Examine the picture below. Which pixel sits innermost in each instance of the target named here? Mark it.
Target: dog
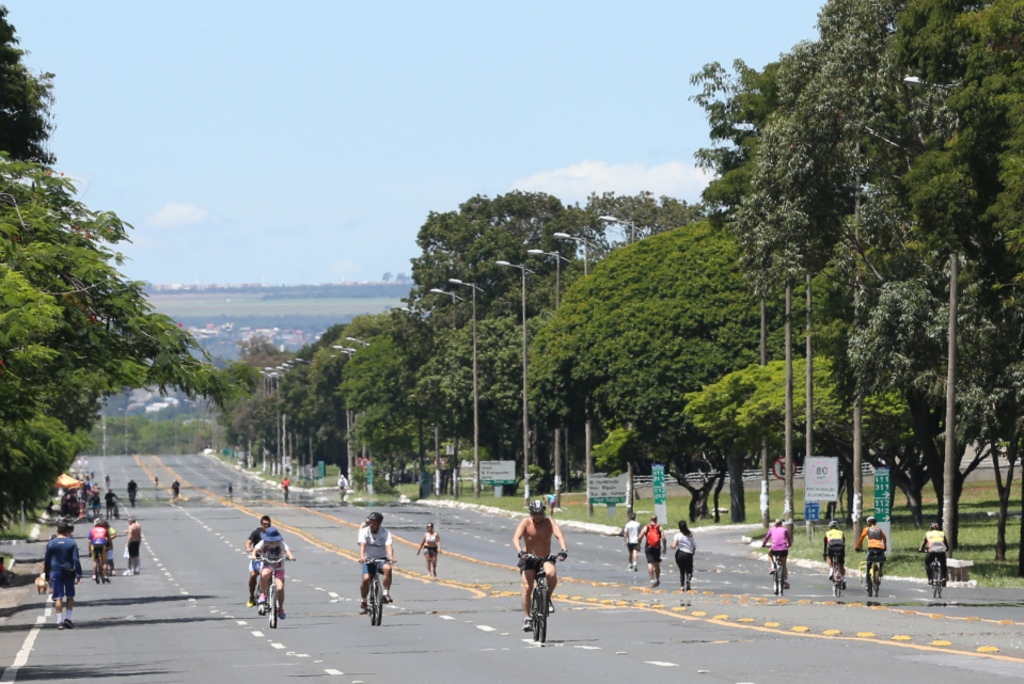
(41, 583)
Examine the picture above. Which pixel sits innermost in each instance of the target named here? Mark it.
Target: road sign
(883, 501)
(362, 462)
(607, 490)
(497, 472)
(660, 509)
(821, 478)
(779, 468)
(812, 511)
(321, 469)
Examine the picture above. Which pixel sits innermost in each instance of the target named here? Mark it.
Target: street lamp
(476, 397)
(455, 298)
(612, 219)
(352, 339)
(586, 243)
(349, 413)
(526, 413)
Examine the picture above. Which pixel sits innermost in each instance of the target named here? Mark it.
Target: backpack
(653, 535)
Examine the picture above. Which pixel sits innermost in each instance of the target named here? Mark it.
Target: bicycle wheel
(540, 614)
(272, 603)
(378, 601)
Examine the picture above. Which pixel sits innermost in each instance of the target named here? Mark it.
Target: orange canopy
(67, 482)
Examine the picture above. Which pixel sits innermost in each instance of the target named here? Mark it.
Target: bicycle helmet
(871, 520)
(375, 517)
(935, 526)
(537, 506)
(833, 525)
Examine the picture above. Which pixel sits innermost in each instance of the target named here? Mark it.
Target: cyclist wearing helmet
(936, 545)
(533, 536)
(835, 551)
(877, 543)
(374, 544)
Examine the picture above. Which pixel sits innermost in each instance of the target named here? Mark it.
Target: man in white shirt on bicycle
(375, 543)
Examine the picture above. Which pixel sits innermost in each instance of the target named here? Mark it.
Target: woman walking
(430, 546)
(685, 547)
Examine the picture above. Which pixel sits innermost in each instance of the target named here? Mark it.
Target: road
(184, 618)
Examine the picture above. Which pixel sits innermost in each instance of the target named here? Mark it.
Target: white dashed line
(446, 617)
(332, 671)
(257, 634)
(589, 648)
(661, 663)
(333, 594)
(241, 622)
(277, 646)
(486, 628)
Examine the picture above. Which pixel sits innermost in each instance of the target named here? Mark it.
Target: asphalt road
(184, 618)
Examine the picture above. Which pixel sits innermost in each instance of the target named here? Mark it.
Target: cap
(271, 535)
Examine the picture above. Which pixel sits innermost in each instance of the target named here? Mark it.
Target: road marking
(257, 634)
(661, 663)
(332, 671)
(277, 646)
(589, 648)
(446, 617)
(333, 594)
(241, 622)
(486, 628)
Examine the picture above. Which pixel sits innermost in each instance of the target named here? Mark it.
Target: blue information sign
(812, 510)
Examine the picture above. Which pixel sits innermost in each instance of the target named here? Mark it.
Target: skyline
(310, 146)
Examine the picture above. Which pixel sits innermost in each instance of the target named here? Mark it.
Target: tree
(25, 99)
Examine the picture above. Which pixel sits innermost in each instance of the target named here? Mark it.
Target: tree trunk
(719, 483)
(738, 505)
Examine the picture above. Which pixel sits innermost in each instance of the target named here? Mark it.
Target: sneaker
(262, 598)
(786, 584)
(251, 602)
(387, 598)
(651, 583)
(551, 608)
(280, 615)
(68, 624)
(527, 625)
(60, 625)
(363, 610)
(844, 585)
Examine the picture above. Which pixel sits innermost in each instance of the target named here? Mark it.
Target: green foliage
(25, 123)
(613, 455)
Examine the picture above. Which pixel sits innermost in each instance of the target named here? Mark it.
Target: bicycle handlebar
(273, 561)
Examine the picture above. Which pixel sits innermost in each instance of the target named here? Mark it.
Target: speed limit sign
(821, 478)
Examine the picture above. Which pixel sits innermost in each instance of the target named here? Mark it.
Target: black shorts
(632, 547)
(779, 554)
(133, 549)
(653, 554)
(837, 556)
(534, 564)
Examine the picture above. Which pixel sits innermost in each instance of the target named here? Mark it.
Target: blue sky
(306, 142)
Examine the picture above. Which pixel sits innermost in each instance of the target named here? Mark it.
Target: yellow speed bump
(771, 624)
(709, 593)
(622, 603)
(988, 649)
(831, 632)
(721, 617)
(591, 600)
(1006, 622)
(942, 642)
(865, 634)
(800, 628)
(658, 605)
(699, 613)
(679, 609)
(745, 620)
(805, 601)
(878, 608)
(901, 637)
(577, 598)
(607, 601)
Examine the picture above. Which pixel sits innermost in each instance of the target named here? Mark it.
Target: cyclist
(533, 536)
(685, 547)
(254, 566)
(834, 551)
(631, 537)
(133, 491)
(94, 504)
(176, 488)
(272, 546)
(781, 540)
(656, 545)
(936, 545)
(98, 538)
(110, 498)
(375, 543)
(877, 544)
(430, 546)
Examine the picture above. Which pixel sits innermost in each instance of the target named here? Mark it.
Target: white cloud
(175, 214)
(576, 182)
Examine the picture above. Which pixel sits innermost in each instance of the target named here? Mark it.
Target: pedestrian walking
(64, 570)
(231, 491)
(685, 547)
(134, 542)
(655, 546)
(342, 486)
(176, 488)
(430, 546)
(631, 538)
(285, 485)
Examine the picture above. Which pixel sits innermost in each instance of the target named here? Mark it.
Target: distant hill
(395, 290)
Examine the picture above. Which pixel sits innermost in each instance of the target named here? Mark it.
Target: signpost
(497, 474)
(779, 469)
(883, 501)
(812, 511)
(821, 478)
(369, 478)
(608, 490)
(660, 506)
(321, 471)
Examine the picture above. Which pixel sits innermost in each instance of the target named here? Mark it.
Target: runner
(533, 536)
(254, 566)
(685, 547)
(631, 538)
(176, 488)
(430, 546)
(285, 484)
(656, 545)
(63, 568)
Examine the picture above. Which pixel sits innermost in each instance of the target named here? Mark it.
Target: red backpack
(653, 535)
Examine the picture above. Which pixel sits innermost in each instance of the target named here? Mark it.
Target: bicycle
(780, 581)
(540, 602)
(935, 577)
(873, 573)
(838, 579)
(273, 602)
(375, 597)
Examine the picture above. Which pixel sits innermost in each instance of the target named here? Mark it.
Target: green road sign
(660, 507)
(321, 469)
(883, 496)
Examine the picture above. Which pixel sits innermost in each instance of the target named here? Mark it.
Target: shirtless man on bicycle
(533, 536)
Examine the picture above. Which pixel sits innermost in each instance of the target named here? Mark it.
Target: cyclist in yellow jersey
(936, 545)
(835, 551)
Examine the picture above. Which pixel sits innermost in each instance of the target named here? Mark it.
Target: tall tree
(25, 100)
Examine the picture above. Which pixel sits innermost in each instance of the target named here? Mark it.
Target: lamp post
(352, 339)
(612, 219)
(588, 433)
(455, 298)
(350, 418)
(949, 469)
(526, 414)
(476, 396)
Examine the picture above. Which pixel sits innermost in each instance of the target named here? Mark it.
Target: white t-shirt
(342, 482)
(375, 543)
(270, 549)
(632, 532)
(684, 543)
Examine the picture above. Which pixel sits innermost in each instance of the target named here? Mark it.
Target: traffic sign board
(821, 478)
(607, 490)
(497, 472)
(812, 510)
